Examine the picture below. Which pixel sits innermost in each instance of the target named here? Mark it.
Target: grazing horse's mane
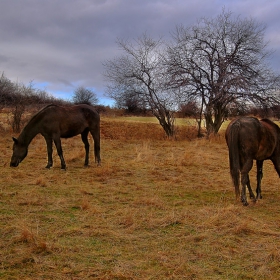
(35, 116)
(44, 108)
(41, 110)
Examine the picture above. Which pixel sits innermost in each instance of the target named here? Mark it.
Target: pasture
(155, 209)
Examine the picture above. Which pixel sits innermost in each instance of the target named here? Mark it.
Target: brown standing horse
(251, 139)
(55, 122)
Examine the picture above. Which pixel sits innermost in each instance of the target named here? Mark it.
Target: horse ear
(15, 140)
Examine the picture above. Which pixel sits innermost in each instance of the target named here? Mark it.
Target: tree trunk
(199, 121)
(166, 120)
(214, 119)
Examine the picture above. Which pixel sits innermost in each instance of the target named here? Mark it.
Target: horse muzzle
(14, 163)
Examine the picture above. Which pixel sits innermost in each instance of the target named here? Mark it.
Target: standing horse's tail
(234, 160)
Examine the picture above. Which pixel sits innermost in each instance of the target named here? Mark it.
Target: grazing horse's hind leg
(86, 143)
(49, 151)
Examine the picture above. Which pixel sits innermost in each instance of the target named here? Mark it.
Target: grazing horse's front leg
(57, 143)
(259, 178)
(85, 141)
(49, 151)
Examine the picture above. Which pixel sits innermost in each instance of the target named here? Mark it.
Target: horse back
(67, 121)
(255, 138)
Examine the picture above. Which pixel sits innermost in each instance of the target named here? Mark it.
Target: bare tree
(220, 62)
(23, 97)
(131, 102)
(140, 72)
(85, 95)
(7, 91)
(18, 98)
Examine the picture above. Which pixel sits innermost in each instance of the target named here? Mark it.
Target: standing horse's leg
(57, 143)
(245, 181)
(259, 178)
(252, 196)
(85, 141)
(49, 151)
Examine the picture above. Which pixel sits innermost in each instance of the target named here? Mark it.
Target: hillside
(155, 209)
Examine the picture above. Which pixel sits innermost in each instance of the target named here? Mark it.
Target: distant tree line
(13, 93)
(212, 70)
(191, 110)
(18, 99)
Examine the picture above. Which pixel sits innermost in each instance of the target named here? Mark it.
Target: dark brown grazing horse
(251, 139)
(55, 122)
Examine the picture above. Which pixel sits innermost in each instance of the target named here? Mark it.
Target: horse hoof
(244, 202)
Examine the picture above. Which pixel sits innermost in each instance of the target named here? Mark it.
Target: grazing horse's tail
(234, 160)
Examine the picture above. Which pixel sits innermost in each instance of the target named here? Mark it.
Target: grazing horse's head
(19, 153)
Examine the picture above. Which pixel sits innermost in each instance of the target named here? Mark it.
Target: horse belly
(71, 131)
(264, 151)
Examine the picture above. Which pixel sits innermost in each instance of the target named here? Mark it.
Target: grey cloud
(64, 43)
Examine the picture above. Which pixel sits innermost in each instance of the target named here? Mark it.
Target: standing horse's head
(19, 153)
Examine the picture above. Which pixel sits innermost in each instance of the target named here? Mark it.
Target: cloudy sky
(61, 44)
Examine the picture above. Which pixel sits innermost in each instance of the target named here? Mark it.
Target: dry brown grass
(155, 209)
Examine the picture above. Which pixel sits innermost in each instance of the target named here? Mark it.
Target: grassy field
(155, 209)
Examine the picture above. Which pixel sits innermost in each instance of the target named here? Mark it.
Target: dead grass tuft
(187, 132)
(127, 221)
(28, 236)
(41, 182)
(85, 204)
(217, 138)
(273, 256)
(243, 229)
(154, 202)
(144, 152)
(84, 192)
(104, 172)
(188, 160)
(25, 235)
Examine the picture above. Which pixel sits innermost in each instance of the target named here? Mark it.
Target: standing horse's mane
(267, 120)
(270, 122)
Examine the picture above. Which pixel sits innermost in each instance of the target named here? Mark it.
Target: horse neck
(28, 133)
